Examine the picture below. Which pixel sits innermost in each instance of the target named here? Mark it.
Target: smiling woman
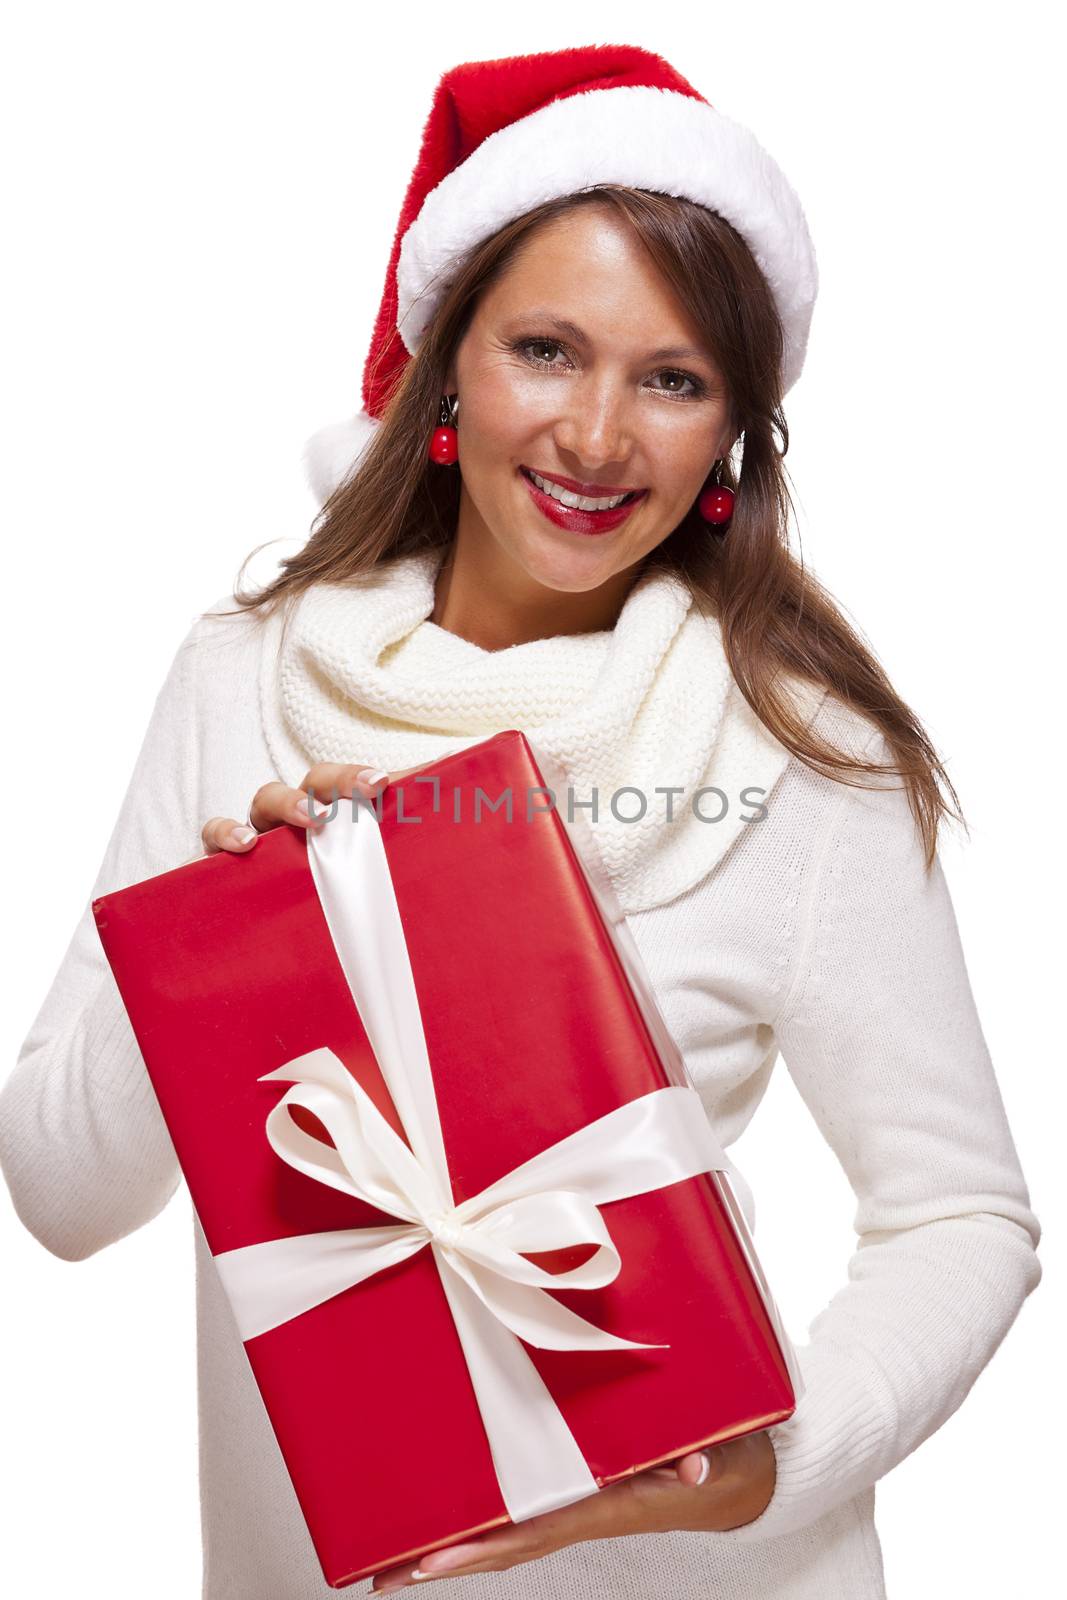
(563, 509)
(548, 339)
(556, 334)
(598, 405)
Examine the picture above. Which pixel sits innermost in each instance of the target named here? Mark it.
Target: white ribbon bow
(549, 1202)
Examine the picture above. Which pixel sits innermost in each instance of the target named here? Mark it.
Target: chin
(572, 571)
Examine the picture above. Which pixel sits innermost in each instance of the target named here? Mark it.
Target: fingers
(226, 833)
(593, 1517)
(620, 1508)
(695, 1469)
(276, 803)
(688, 1469)
(328, 779)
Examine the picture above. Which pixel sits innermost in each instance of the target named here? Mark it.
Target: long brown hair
(777, 620)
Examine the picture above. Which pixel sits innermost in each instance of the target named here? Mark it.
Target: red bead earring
(717, 501)
(444, 445)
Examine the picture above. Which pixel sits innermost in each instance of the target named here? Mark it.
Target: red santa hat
(504, 136)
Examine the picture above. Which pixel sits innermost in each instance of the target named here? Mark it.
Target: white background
(199, 204)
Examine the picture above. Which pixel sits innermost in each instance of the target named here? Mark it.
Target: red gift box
(527, 1026)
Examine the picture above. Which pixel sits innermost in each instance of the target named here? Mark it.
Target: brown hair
(777, 620)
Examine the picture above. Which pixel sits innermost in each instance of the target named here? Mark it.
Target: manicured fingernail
(243, 835)
(303, 807)
(458, 1555)
(371, 778)
(705, 1466)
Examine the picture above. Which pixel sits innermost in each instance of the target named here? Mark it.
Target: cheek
(679, 450)
(504, 407)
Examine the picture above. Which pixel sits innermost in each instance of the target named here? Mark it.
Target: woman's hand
(276, 803)
(738, 1485)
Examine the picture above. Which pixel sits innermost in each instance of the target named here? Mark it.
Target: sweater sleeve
(84, 1149)
(880, 1033)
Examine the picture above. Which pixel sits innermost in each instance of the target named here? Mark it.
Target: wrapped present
(463, 1197)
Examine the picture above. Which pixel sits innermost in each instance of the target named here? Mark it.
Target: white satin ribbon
(550, 1201)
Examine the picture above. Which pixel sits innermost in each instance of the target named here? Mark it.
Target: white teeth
(579, 501)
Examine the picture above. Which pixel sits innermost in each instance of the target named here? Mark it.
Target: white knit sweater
(817, 935)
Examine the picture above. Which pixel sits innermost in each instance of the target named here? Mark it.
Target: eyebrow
(547, 319)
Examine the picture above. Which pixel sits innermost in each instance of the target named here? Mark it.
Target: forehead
(589, 267)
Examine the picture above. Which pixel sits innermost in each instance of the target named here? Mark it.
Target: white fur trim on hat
(332, 452)
(646, 138)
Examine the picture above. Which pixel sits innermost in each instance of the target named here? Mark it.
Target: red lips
(593, 491)
(575, 520)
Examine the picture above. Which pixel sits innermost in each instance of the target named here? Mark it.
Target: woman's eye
(536, 346)
(695, 386)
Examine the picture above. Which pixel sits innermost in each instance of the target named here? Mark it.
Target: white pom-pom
(332, 452)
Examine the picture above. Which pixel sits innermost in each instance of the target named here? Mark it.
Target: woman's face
(581, 366)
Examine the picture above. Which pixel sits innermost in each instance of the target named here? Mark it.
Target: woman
(599, 288)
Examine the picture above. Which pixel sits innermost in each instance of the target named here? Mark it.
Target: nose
(595, 426)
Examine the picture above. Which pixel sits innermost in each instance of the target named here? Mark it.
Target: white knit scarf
(364, 676)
